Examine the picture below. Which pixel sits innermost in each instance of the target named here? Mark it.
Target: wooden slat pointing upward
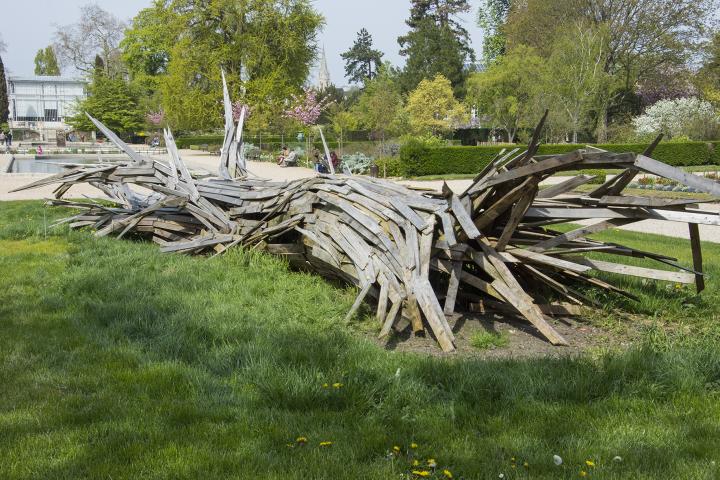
(697, 256)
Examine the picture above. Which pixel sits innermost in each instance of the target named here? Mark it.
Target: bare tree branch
(98, 32)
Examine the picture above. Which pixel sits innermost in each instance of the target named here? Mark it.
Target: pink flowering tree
(237, 107)
(306, 109)
(155, 118)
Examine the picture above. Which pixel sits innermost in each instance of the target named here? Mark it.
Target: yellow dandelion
(415, 463)
(583, 473)
(301, 440)
(421, 473)
(432, 463)
(337, 385)
(512, 459)
(525, 464)
(413, 445)
(447, 474)
(325, 385)
(325, 444)
(396, 449)
(589, 463)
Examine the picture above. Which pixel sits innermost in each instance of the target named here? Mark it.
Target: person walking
(2, 138)
(8, 139)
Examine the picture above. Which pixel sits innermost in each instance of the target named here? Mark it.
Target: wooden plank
(383, 298)
(516, 215)
(453, 286)
(578, 233)
(487, 217)
(543, 167)
(534, 257)
(688, 179)
(513, 293)
(434, 314)
(565, 186)
(697, 256)
(655, 202)
(634, 271)
(390, 319)
(701, 218)
(358, 301)
(618, 184)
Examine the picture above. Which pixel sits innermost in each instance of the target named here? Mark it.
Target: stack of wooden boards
(421, 255)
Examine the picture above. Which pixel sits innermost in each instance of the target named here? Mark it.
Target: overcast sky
(28, 25)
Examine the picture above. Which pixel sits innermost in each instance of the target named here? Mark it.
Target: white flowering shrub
(683, 117)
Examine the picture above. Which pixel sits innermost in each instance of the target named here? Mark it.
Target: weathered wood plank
(697, 256)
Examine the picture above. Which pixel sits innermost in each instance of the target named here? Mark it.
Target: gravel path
(201, 161)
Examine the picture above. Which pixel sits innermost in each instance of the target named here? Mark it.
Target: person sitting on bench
(290, 160)
(283, 155)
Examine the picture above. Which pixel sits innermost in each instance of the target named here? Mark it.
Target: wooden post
(697, 256)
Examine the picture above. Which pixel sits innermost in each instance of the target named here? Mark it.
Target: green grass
(485, 340)
(119, 362)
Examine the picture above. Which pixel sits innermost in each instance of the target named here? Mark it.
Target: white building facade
(42, 103)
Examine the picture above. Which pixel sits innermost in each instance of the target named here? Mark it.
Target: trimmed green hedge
(417, 160)
(186, 142)
(389, 166)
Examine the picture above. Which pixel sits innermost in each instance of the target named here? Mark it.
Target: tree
(362, 61)
(432, 108)
(576, 75)
(443, 13)
(46, 62)
(176, 48)
(492, 15)
(708, 78)
(683, 117)
(380, 107)
(645, 38)
(341, 120)
(113, 102)
(4, 102)
(436, 43)
(506, 92)
(97, 33)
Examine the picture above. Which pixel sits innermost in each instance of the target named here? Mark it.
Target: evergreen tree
(46, 62)
(4, 112)
(436, 44)
(362, 61)
(444, 14)
(99, 65)
(433, 50)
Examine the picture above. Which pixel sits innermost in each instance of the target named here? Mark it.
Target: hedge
(186, 142)
(418, 160)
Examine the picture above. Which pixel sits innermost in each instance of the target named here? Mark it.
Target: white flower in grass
(557, 459)
(502, 475)
(617, 458)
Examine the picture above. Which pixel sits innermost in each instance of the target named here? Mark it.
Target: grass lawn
(119, 362)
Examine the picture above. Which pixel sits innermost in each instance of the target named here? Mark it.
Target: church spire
(323, 73)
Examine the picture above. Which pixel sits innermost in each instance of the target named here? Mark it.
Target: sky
(29, 25)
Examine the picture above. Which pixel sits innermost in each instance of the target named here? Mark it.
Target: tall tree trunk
(602, 125)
